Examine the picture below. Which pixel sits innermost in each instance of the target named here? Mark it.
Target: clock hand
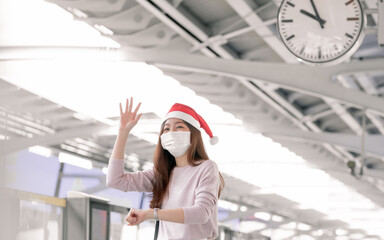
(311, 16)
(317, 14)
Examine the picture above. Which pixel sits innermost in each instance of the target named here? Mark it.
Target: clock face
(321, 31)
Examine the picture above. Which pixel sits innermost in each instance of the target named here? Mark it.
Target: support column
(380, 24)
(2, 171)
(59, 178)
(9, 207)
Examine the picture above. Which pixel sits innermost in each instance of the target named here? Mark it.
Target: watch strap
(155, 214)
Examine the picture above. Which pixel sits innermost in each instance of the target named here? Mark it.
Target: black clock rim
(327, 61)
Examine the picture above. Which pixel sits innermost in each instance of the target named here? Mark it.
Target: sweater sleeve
(140, 181)
(206, 196)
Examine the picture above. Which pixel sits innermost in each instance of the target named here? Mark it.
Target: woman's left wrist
(149, 214)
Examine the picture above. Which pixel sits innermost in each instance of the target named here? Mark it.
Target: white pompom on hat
(189, 115)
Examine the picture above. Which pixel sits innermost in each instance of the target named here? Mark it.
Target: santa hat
(189, 115)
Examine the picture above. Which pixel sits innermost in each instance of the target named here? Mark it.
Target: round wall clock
(321, 31)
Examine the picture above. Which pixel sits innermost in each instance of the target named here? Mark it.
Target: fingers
(131, 221)
(138, 118)
(133, 217)
(121, 109)
(137, 109)
(130, 105)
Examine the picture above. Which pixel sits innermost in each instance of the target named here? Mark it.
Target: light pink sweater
(195, 189)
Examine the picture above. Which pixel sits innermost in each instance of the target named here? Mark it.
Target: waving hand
(129, 119)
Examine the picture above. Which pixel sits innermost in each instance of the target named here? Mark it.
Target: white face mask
(177, 143)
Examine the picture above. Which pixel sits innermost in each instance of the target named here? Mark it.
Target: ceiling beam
(373, 144)
(243, 9)
(17, 144)
(162, 17)
(312, 80)
(317, 79)
(368, 85)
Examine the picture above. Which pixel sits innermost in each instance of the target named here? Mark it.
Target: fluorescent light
(148, 166)
(81, 117)
(133, 165)
(303, 227)
(149, 137)
(243, 208)
(133, 157)
(262, 215)
(228, 205)
(341, 232)
(290, 225)
(103, 29)
(3, 137)
(42, 151)
(104, 170)
(318, 233)
(356, 236)
(278, 233)
(74, 160)
(277, 218)
(342, 238)
(77, 12)
(249, 226)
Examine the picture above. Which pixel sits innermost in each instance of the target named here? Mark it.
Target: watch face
(321, 31)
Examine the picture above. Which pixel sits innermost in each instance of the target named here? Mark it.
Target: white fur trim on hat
(183, 116)
(214, 140)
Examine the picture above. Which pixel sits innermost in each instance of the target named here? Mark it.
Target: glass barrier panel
(119, 230)
(39, 221)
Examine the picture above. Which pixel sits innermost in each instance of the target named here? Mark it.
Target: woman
(184, 182)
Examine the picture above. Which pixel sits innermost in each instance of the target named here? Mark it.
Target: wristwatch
(155, 216)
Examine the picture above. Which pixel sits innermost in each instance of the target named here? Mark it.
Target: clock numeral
(291, 4)
(335, 47)
(302, 49)
(353, 19)
(349, 2)
(287, 20)
(348, 35)
(319, 53)
(290, 37)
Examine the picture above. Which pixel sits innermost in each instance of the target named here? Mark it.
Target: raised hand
(128, 119)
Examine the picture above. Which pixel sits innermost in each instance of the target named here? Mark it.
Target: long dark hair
(164, 163)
